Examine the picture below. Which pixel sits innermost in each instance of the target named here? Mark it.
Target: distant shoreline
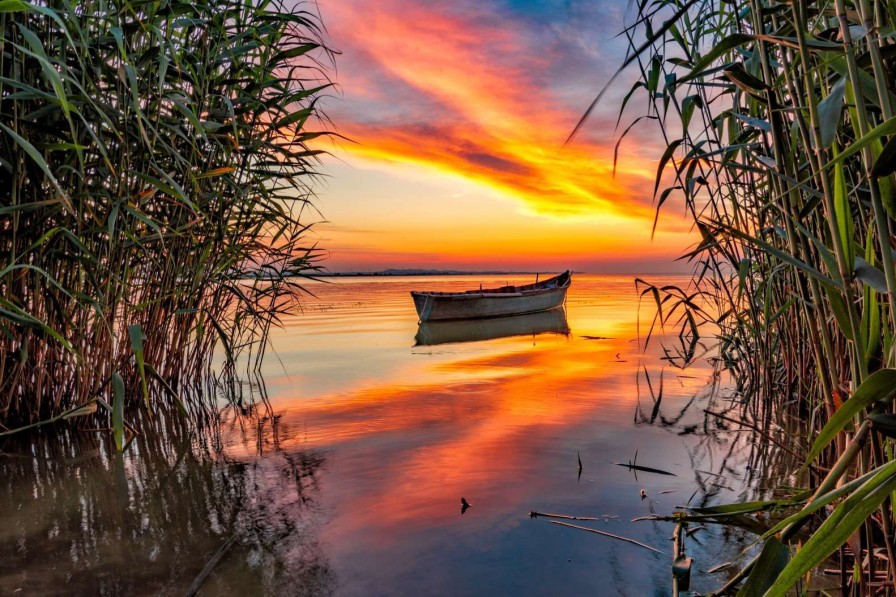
(422, 272)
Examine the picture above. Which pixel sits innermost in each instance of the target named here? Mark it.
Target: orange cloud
(453, 90)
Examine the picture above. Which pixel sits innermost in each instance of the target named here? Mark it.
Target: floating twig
(210, 566)
(644, 469)
(720, 567)
(634, 466)
(658, 517)
(534, 514)
(612, 536)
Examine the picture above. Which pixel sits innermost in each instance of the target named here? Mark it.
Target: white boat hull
(439, 306)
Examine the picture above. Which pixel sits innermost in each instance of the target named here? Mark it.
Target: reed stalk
(155, 163)
(788, 176)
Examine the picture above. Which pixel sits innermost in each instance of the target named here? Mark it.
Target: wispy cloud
(488, 91)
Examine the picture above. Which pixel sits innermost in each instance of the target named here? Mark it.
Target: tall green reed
(154, 178)
(781, 144)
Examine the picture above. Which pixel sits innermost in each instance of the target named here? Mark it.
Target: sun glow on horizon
(457, 115)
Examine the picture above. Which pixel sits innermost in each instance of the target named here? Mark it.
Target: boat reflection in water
(475, 330)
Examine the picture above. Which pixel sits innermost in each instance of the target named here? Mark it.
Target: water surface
(350, 481)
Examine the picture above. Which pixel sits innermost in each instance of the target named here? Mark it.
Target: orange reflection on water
(351, 483)
(481, 420)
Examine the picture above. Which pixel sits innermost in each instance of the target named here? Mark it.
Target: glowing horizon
(457, 115)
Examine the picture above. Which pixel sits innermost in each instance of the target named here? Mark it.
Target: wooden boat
(431, 333)
(493, 302)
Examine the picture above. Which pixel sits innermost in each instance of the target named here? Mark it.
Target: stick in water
(534, 514)
(612, 536)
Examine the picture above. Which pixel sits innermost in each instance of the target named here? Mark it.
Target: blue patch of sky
(600, 18)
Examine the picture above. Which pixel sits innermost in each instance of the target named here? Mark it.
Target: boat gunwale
(522, 290)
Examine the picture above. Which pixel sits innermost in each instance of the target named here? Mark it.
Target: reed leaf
(793, 197)
(885, 129)
(870, 275)
(885, 164)
(829, 110)
(880, 386)
(842, 523)
(772, 561)
(118, 394)
(149, 211)
(135, 332)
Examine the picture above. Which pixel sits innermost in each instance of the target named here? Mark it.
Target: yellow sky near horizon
(457, 114)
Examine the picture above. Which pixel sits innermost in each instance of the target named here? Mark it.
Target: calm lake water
(349, 481)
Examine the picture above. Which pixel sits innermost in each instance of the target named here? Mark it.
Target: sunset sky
(457, 113)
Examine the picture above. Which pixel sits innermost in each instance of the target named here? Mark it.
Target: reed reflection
(181, 511)
(477, 330)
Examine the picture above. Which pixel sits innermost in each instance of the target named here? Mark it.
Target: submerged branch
(612, 536)
(534, 514)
